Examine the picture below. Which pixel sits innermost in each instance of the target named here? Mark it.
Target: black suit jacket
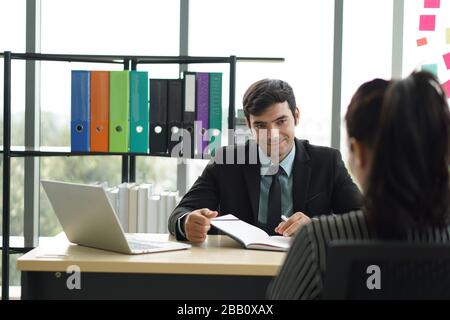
(321, 184)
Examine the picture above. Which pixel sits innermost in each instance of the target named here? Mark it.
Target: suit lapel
(253, 181)
(302, 174)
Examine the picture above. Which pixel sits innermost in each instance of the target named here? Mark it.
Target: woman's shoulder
(348, 226)
(315, 235)
(354, 226)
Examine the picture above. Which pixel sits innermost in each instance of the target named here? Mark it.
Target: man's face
(275, 129)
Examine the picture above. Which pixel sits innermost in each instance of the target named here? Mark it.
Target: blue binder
(80, 104)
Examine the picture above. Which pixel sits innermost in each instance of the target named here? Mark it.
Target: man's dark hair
(408, 184)
(266, 92)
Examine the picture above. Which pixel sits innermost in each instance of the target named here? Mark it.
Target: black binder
(175, 113)
(158, 116)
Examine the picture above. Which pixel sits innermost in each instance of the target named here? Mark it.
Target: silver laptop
(87, 217)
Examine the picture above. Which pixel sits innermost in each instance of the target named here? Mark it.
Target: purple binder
(202, 110)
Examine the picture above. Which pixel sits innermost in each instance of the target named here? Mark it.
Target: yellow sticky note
(447, 33)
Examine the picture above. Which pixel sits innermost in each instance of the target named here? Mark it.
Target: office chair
(386, 270)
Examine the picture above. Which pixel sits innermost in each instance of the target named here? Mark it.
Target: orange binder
(99, 111)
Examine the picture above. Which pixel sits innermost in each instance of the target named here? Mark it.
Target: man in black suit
(273, 176)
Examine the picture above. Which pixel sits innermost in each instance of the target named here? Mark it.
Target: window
(14, 276)
(12, 19)
(12, 38)
(135, 27)
(299, 31)
(74, 169)
(367, 49)
(428, 55)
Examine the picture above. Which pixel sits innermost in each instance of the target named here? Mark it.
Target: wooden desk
(217, 269)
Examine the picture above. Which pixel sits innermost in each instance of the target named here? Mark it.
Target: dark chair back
(387, 270)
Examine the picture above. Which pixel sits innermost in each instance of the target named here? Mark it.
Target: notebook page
(239, 229)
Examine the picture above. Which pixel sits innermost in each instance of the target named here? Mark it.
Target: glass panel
(300, 31)
(14, 276)
(426, 48)
(135, 27)
(100, 27)
(196, 168)
(16, 196)
(159, 171)
(151, 29)
(74, 169)
(367, 49)
(12, 38)
(12, 24)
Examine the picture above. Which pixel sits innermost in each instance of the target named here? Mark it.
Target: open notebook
(250, 236)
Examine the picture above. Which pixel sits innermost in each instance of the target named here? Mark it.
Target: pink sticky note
(427, 22)
(446, 86)
(432, 4)
(447, 60)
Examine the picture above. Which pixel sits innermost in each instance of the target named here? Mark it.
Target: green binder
(119, 94)
(139, 111)
(215, 111)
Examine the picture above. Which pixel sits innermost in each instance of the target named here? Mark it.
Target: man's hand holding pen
(289, 226)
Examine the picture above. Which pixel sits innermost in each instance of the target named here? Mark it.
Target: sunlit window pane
(367, 49)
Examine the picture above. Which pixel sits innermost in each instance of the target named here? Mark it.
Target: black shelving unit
(128, 159)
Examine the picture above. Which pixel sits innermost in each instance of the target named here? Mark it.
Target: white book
(168, 204)
(133, 209)
(113, 196)
(171, 203)
(123, 204)
(152, 214)
(150, 189)
(144, 194)
(162, 214)
(250, 236)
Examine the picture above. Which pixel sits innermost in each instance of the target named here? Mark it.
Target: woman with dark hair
(399, 152)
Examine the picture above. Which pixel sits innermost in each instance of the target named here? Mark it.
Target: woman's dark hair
(363, 112)
(264, 93)
(408, 184)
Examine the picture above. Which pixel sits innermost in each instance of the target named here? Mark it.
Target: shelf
(20, 151)
(137, 59)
